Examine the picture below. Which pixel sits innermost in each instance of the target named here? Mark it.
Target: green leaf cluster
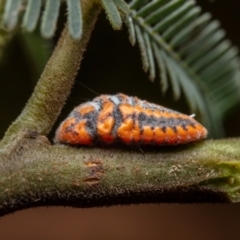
(32, 8)
(184, 47)
(190, 52)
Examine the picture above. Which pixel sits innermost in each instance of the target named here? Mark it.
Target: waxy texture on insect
(112, 119)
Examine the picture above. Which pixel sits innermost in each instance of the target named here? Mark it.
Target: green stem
(86, 177)
(57, 79)
(34, 173)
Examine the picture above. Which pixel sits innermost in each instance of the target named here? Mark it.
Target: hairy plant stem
(56, 81)
(35, 173)
(46, 175)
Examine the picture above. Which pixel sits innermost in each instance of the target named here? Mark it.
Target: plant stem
(85, 177)
(54, 86)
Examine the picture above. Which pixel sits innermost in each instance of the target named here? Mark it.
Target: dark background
(112, 65)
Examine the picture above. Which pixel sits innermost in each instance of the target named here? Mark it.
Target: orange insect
(111, 119)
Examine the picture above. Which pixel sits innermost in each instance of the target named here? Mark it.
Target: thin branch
(46, 175)
(34, 173)
(56, 81)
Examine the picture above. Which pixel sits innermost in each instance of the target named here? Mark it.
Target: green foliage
(11, 12)
(190, 52)
(50, 17)
(13, 8)
(31, 15)
(113, 9)
(75, 18)
(178, 43)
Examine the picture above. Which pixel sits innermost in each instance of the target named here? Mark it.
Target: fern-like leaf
(31, 15)
(114, 9)
(50, 16)
(75, 18)
(11, 13)
(183, 46)
(13, 8)
(190, 52)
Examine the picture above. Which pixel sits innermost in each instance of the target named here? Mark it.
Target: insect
(112, 119)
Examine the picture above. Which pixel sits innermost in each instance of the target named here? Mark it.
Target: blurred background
(111, 65)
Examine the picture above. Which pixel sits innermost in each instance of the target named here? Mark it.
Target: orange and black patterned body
(111, 119)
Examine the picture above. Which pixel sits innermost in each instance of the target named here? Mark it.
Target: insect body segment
(111, 119)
